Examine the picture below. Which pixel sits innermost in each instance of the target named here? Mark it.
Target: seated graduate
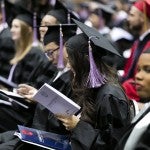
(60, 80)
(26, 58)
(105, 110)
(27, 53)
(140, 127)
(43, 119)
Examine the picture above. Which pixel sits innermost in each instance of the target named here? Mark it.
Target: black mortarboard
(60, 34)
(105, 11)
(64, 11)
(97, 39)
(53, 32)
(92, 40)
(14, 10)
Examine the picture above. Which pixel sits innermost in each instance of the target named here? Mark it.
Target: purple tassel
(35, 40)
(3, 11)
(95, 78)
(69, 19)
(60, 64)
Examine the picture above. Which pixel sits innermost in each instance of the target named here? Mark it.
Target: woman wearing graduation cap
(25, 60)
(27, 56)
(105, 111)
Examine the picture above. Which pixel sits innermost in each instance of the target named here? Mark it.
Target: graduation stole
(137, 52)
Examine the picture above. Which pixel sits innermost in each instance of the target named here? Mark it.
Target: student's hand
(27, 91)
(69, 122)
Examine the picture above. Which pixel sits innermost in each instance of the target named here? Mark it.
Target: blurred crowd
(95, 52)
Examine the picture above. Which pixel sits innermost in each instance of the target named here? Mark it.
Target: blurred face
(95, 20)
(135, 19)
(142, 77)
(51, 51)
(16, 29)
(46, 21)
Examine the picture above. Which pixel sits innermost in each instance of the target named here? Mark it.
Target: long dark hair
(79, 61)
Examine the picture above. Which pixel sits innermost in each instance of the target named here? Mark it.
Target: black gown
(113, 116)
(23, 70)
(7, 51)
(43, 119)
(10, 116)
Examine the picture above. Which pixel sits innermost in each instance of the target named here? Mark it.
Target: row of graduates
(111, 109)
(93, 98)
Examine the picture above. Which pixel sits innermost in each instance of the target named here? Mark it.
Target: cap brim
(97, 39)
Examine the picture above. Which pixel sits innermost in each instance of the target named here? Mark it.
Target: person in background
(26, 58)
(105, 110)
(139, 129)
(139, 23)
(7, 48)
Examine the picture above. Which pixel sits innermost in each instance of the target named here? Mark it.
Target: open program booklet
(43, 139)
(55, 101)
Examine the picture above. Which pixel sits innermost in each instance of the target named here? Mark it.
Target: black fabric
(49, 122)
(41, 74)
(7, 51)
(10, 117)
(112, 119)
(23, 71)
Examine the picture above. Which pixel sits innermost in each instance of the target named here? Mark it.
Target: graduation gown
(7, 51)
(11, 116)
(24, 68)
(42, 74)
(130, 67)
(112, 118)
(43, 118)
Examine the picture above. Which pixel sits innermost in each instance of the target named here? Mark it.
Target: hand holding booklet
(55, 101)
(43, 139)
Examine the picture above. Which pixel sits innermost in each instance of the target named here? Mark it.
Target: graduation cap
(60, 34)
(95, 42)
(143, 6)
(63, 13)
